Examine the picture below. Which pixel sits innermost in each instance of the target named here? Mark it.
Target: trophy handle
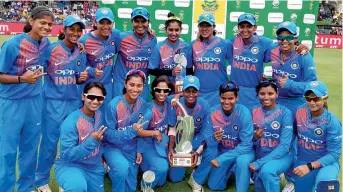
(182, 108)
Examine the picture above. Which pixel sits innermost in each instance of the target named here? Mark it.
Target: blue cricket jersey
(77, 147)
(163, 56)
(209, 61)
(100, 55)
(198, 112)
(238, 131)
(278, 130)
(64, 66)
(319, 139)
(300, 69)
(133, 53)
(247, 60)
(119, 117)
(18, 55)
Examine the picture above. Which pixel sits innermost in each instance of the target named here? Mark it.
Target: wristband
(19, 80)
(310, 167)
(200, 149)
(172, 131)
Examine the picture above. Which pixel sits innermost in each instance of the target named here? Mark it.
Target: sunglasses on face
(315, 99)
(287, 38)
(159, 90)
(93, 97)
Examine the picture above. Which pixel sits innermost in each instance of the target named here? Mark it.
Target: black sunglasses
(159, 90)
(267, 81)
(229, 86)
(93, 97)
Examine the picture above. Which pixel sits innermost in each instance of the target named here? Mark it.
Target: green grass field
(329, 69)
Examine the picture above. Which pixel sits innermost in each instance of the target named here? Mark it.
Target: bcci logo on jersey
(217, 50)
(254, 50)
(295, 65)
(275, 125)
(318, 131)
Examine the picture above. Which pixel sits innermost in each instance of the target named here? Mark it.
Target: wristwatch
(310, 167)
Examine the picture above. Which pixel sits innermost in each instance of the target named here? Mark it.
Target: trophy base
(181, 160)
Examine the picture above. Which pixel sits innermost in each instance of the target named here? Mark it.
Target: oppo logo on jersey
(229, 137)
(279, 72)
(239, 62)
(106, 57)
(270, 139)
(244, 59)
(137, 62)
(309, 143)
(161, 129)
(171, 66)
(65, 77)
(229, 141)
(208, 59)
(124, 128)
(33, 67)
(207, 63)
(140, 59)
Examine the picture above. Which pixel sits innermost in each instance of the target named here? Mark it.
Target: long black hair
(37, 13)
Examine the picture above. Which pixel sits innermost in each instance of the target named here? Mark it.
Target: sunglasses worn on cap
(229, 87)
(159, 90)
(287, 38)
(134, 72)
(315, 99)
(140, 12)
(93, 97)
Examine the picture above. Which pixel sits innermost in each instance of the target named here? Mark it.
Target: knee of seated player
(243, 161)
(75, 184)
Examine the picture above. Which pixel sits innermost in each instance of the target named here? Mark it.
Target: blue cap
(318, 88)
(247, 17)
(289, 26)
(140, 11)
(191, 81)
(71, 20)
(207, 17)
(161, 147)
(104, 13)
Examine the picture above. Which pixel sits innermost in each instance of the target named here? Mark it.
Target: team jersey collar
(92, 120)
(67, 48)
(172, 45)
(140, 39)
(101, 39)
(131, 109)
(210, 40)
(324, 114)
(265, 111)
(228, 116)
(31, 40)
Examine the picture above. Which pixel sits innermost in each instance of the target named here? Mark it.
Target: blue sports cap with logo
(140, 11)
(207, 17)
(104, 13)
(319, 88)
(191, 81)
(71, 20)
(289, 26)
(247, 17)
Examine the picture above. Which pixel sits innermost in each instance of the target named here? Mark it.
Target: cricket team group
(92, 94)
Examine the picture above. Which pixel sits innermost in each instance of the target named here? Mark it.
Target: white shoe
(61, 190)
(195, 186)
(289, 187)
(44, 188)
(251, 181)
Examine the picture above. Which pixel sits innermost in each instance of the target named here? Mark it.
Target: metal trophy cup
(148, 178)
(184, 137)
(180, 61)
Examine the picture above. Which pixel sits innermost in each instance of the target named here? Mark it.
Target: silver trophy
(184, 137)
(148, 178)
